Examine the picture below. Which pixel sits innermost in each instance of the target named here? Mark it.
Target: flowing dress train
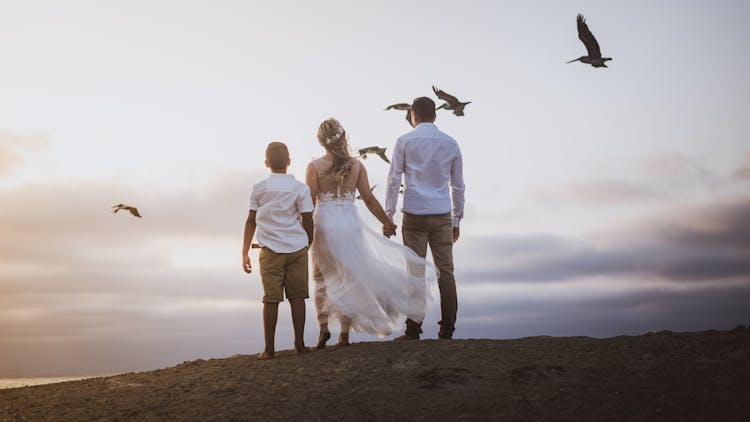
(373, 282)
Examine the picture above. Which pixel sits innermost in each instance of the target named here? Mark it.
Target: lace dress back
(332, 187)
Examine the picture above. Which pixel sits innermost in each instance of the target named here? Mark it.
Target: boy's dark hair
(277, 155)
(424, 108)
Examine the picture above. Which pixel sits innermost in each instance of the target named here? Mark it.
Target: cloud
(8, 160)
(658, 177)
(573, 310)
(682, 268)
(83, 289)
(678, 172)
(12, 148)
(705, 243)
(743, 171)
(612, 191)
(63, 224)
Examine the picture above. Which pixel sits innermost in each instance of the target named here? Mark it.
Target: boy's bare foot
(322, 339)
(343, 339)
(266, 356)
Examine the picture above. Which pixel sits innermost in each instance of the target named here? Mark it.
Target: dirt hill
(656, 376)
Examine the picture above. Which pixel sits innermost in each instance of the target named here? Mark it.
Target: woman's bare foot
(266, 355)
(322, 339)
(343, 339)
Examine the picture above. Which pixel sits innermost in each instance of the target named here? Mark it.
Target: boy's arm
(248, 237)
(305, 208)
(307, 224)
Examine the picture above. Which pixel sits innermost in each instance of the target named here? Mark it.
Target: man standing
(430, 162)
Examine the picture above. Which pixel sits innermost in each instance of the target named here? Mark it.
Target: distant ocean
(26, 382)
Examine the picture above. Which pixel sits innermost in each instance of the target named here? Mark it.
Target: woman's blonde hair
(332, 137)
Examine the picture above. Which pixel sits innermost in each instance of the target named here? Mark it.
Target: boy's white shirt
(279, 201)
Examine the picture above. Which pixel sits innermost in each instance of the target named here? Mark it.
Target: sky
(599, 202)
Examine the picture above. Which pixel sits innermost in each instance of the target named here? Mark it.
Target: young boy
(281, 212)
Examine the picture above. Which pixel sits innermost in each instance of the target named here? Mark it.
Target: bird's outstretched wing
(588, 38)
(399, 106)
(134, 211)
(364, 151)
(372, 189)
(408, 116)
(444, 96)
(382, 155)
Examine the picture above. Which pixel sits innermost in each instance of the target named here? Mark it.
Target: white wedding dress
(370, 280)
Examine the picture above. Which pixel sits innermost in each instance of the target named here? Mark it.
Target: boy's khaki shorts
(283, 271)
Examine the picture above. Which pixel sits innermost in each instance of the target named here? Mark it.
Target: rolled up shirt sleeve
(395, 174)
(457, 188)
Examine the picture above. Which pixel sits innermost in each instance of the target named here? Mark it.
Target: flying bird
(374, 150)
(400, 191)
(402, 106)
(371, 190)
(451, 102)
(594, 57)
(133, 210)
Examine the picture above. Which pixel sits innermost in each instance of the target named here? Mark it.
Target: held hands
(389, 229)
(246, 264)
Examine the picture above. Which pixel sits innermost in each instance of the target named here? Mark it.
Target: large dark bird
(594, 57)
(375, 150)
(402, 106)
(133, 210)
(451, 102)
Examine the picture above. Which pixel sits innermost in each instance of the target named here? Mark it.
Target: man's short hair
(424, 109)
(277, 155)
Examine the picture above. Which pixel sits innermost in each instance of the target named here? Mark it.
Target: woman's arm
(372, 203)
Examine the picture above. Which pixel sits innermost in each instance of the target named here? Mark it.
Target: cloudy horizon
(599, 202)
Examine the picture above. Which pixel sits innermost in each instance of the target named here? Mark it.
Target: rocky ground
(656, 376)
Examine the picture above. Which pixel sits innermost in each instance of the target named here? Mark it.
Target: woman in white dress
(365, 280)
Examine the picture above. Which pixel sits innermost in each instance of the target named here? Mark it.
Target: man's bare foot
(266, 356)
